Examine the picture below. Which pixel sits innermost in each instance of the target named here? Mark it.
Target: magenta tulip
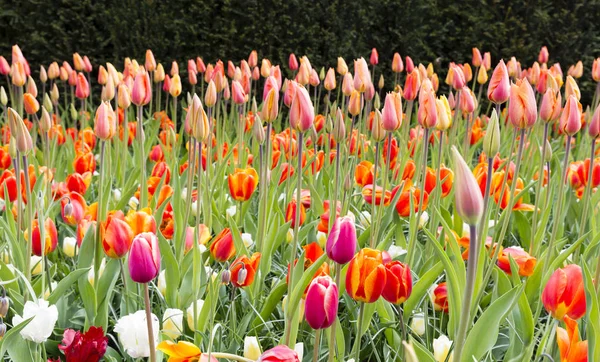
(144, 258)
(279, 354)
(342, 241)
(321, 302)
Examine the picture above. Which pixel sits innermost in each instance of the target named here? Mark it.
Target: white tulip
(116, 195)
(36, 265)
(190, 313)
(247, 239)
(133, 203)
(230, 211)
(418, 324)
(133, 333)
(70, 246)
(441, 348)
(173, 323)
(162, 283)
(321, 239)
(423, 220)
(251, 348)
(396, 251)
(41, 326)
(299, 348)
(91, 273)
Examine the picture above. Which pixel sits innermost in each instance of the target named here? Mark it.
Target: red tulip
(222, 247)
(50, 237)
(89, 346)
(116, 236)
(243, 270)
(279, 354)
(564, 293)
(398, 282)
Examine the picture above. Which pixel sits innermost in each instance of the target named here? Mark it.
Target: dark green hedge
(323, 29)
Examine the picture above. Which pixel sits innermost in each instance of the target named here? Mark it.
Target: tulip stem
(100, 218)
(361, 314)
(263, 190)
(196, 248)
(421, 180)
(538, 188)
(124, 146)
(438, 182)
(29, 217)
(334, 200)
(586, 199)
(317, 345)
(149, 323)
(375, 221)
(125, 293)
(140, 135)
(17, 165)
(291, 309)
(465, 316)
(557, 216)
(332, 346)
(188, 195)
(374, 195)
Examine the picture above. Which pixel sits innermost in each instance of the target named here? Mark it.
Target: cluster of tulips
(320, 219)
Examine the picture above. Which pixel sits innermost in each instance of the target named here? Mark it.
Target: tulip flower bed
(279, 213)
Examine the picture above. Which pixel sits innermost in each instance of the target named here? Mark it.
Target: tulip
(237, 91)
(427, 114)
(476, 58)
(366, 276)
(391, 115)
(569, 344)
(18, 130)
(550, 109)
(142, 91)
(321, 303)
(491, 140)
(355, 104)
(342, 67)
(144, 258)
(397, 64)
(571, 88)
(543, 56)
(31, 87)
(342, 241)
(270, 109)
(330, 82)
(411, 86)
(487, 62)
(43, 319)
(50, 237)
(594, 128)
(280, 353)
(570, 119)
(522, 108)
(302, 112)
(159, 73)
(116, 236)
(251, 345)
(265, 67)
(499, 88)
(398, 282)
(458, 77)
(4, 66)
(175, 86)
(469, 202)
(17, 72)
(82, 88)
(525, 262)
(410, 66)
(104, 122)
(444, 114)
(198, 120)
(374, 60)
(564, 293)
(32, 106)
(596, 70)
(293, 62)
(222, 247)
(441, 349)
(132, 331)
(242, 183)
(141, 221)
(290, 213)
(243, 270)
(362, 77)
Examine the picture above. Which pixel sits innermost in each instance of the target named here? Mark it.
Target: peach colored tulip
(543, 56)
(392, 112)
(31, 105)
(469, 202)
(302, 112)
(412, 85)
(397, 64)
(150, 63)
(427, 114)
(355, 104)
(476, 59)
(487, 61)
(551, 105)
(342, 67)
(142, 90)
(570, 120)
(293, 62)
(347, 85)
(522, 107)
(362, 76)
(105, 123)
(571, 88)
(330, 82)
(596, 70)
(499, 87)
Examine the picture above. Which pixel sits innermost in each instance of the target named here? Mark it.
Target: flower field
(253, 211)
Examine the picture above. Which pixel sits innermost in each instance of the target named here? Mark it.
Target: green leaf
(422, 353)
(421, 287)
(65, 284)
(593, 316)
(12, 336)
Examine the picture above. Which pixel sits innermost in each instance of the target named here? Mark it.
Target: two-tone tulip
(499, 87)
(243, 270)
(564, 293)
(469, 202)
(522, 108)
(242, 183)
(391, 115)
(366, 276)
(43, 247)
(302, 111)
(321, 304)
(144, 258)
(116, 236)
(105, 124)
(570, 119)
(342, 241)
(222, 247)
(142, 90)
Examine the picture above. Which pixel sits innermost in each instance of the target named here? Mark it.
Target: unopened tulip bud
(70, 246)
(82, 87)
(18, 130)
(54, 94)
(381, 82)
(159, 73)
(397, 63)
(548, 154)
(444, 113)
(226, 277)
(258, 130)
(499, 87)
(342, 241)
(45, 120)
(347, 85)
(330, 82)
(392, 112)
(31, 87)
(3, 97)
(468, 199)
(356, 103)
(47, 103)
(210, 98)
(522, 107)
(4, 304)
(123, 99)
(377, 131)
(32, 106)
(322, 73)
(571, 88)
(570, 120)
(342, 67)
(302, 112)
(175, 89)
(108, 90)
(348, 181)
(594, 128)
(12, 147)
(339, 127)
(482, 76)
(491, 140)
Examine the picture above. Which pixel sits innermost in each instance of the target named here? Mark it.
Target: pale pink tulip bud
(43, 75)
(487, 61)
(108, 90)
(330, 82)
(210, 97)
(522, 107)
(347, 85)
(468, 102)
(87, 65)
(362, 76)
(31, 87)
(370, 92)
(397, 64)
(45, 121)
(302, 112)
(174, 68)
(104, 122)
(374, 60)
(289, 93)
(313, 80)
(239, 96)
(391, 116)
(409, 65)
(150, 63)
(200, 65)
(544, 55)
(594, 128)
(499, 87)
(570, 119)
(82, 89)
(4, 66)
(468, 199)
(19, 131)
(303, 76)
(551, 105)
(142, 91)
(458, 77)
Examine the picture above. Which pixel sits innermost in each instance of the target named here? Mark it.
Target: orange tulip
(242, 183)
(564, 294)
(366, 276)
(141, 221)
(222, 247)
(78, 208)
(367, 193)
(50, 237)
(116, 235)
(363, 174)
(84, 163)
(440, 297)
(446, 175)
(290, 214)
(525, 262)
(570, 347)
(243, 270)
(409, 193)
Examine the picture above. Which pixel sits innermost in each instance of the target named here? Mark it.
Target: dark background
(322, 29)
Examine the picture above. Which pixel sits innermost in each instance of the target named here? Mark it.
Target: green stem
(188, 195)
(149, 323)
(317, 345)
(532, 246)
(196, 248)
(141, 137)
(374, 194)
(100, 218)
(332, 346)
(29, 216)
(586, 199)
(376, 220)
(421, 180)
(361, 314)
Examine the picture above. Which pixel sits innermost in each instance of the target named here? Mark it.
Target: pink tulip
(427, 114)
(347, 84)
(467, 101)
(458, 77)
(499, 87)
(302, 112)
(570, 119)
(362, 76)
(87, 65)
(200, 66)
(412, 85)
(270, 83)
(290, 92)
(279, 354)
(468, 199)
(237, 91)
(522, 108)
(543, 57)
(142, 89)
(550, 108)
(476, 59)
(594, 129)
(174, 68)
(342, 242)
(82, 89)
(166, 83)
(104, 121)
(409, 65)
(330, 82)
(314, 80)
(293, 62)
(321, 302)
(253, 59)
(144, 258)
(374, 60)
(4, 67)
(397, 64)
(150, 63)
(595, 69)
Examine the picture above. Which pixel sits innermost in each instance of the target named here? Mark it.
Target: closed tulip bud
(108, 91)
(175, 89)
(427, 114)
(571, 88)
(150, 63)
(482, 76)
(73, 112)
(594, 128)
(444, 114)
(78, 62)
(210, 97)
(355, 103)
(499, 87)
(19, 132)
(197, 119)
(159, 73)
(258, 131)
(522, 107)
(142, 91)
(398, 286)
(347, 85)
(366, 276)
(491, 140)
(102, 75)
(313, 80)
(330, 82)
(105, 123)
(279, 354)
(468, 199)
(32, 106)
(43, 75)
(412, 85)
(270, 108)
(293, 62)
(381, 82)
(3, 97)
(377, 131)
(123, 99)
(570, 119)
(237, 91)
(166, 83)
(82, 88)
(476, 59)
(265, 68)
(342, 242)
(596, 70)
(302, 112)
(370, 92)
(467, 101)
(551, 105)
(17, 72)
(362, 76)
(4, 66)
(47, 103)
(468, 72)
(321, 304)
(339, 127)
(174, 68)
(342, 67)
(422, 71)
(144, 258)
(45, 120)
(4, 304)
(392, 112)
(54, 94)
(64, 74)
(487, 61)
(397, 64)
(377, 101)
(534, 73)
(410, 66)
(544, 55)
(564, 293)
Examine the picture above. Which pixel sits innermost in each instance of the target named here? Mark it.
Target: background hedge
(427, 30)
